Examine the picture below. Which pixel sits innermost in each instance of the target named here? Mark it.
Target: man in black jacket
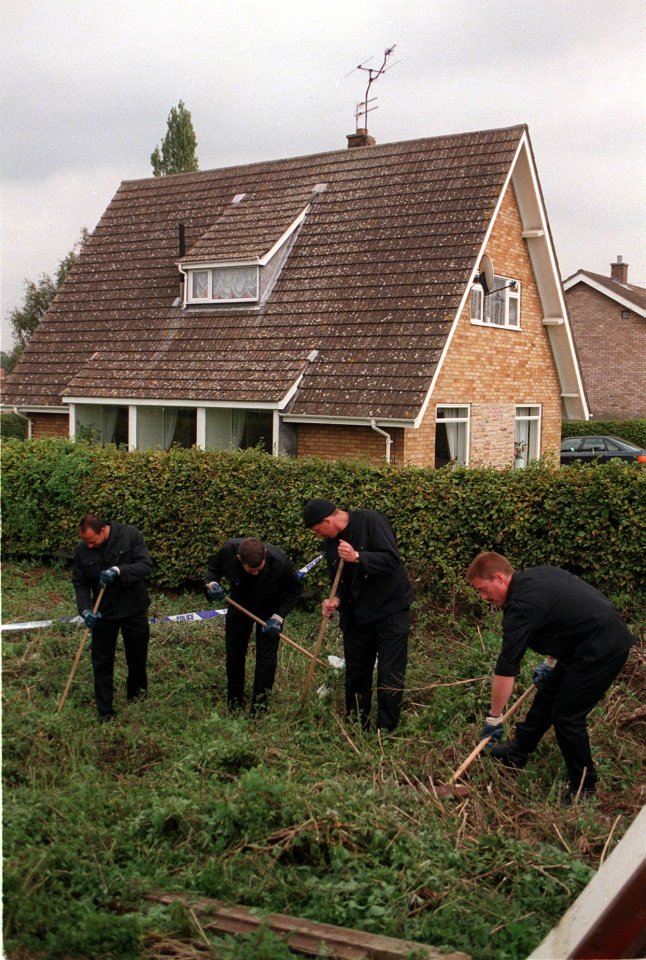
(373, 600)
(114, 556)
(554, 613)
(262, 579)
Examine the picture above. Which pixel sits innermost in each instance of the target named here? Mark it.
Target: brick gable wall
(612, 354)
(495, 369)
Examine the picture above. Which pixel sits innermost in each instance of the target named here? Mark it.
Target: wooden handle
(86, 634)
(483, 743)
(283, 636)
(324, 623)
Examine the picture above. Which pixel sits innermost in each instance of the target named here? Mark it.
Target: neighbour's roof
(613, 288)
(373, 282)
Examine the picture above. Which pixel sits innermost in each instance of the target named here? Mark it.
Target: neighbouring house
(608, 318)
(393, 302)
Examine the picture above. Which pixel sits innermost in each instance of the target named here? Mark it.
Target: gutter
(389, 439)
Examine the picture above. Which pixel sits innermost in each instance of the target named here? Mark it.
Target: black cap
(317, 510)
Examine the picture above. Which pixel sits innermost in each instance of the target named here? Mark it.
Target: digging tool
(324, 623)
(282, 636)
(460, 790)
(86, 634)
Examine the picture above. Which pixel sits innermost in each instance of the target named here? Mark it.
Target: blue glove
(90, 618)
(273, 627)
(107, 576)
(492, 728)
(541, 672)
(215, 592)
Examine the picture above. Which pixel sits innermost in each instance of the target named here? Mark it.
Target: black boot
(509, 753)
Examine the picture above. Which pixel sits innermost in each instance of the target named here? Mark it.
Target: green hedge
(186, 502)
(12, 425)
(632, 430)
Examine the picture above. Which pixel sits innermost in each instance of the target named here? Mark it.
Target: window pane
(200, 284)
(235, 283)
(513, 311)
(452, 413)
(477, 296)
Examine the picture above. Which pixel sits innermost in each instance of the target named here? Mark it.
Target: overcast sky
(87, 87)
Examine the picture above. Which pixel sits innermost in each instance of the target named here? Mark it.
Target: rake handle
(86, 634)
(483, 743)
(319, 641)
(262, 623)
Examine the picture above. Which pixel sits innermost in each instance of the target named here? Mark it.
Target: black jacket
(553, 612)
(276, 589)
(377, 586)
(128, 594)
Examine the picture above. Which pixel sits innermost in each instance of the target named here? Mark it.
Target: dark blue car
(599, 450)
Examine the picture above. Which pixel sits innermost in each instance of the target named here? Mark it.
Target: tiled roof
(373, 282)
(626, 291)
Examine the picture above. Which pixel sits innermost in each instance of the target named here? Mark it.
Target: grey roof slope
(373, 282)
(626, 291)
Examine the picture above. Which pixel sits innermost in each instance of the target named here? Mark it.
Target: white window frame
(510, 289)
(463, 417)
(527, 439)
(209, 270)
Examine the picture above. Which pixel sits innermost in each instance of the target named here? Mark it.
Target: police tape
(197, 616)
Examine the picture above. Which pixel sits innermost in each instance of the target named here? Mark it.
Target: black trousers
(386, 642)
(135, 631)
(564, 700)
(237, 633)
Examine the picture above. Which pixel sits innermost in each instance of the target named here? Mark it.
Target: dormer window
(501, 307)
(227, 284)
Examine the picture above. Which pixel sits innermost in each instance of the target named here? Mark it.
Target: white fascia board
(192, 404)
(467, 291)
(345, 421)
(32, 408)
(287, 234)
(543, 259)
(622, 301)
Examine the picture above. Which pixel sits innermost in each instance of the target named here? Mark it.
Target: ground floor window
(451, 435)
(257, 430)
(185, 433)
(527, 435)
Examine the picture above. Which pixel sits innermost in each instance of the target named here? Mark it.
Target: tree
(178, 146)
(38, 296)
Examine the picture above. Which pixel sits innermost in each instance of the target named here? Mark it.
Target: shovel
(459, 789)
(292, 643)
(86, 634)
(324, 623)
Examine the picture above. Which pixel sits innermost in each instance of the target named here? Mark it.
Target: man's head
(252, 554)
(324, 518)
(490, 574)
(93, 530)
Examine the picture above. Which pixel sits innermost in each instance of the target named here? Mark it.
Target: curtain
(235, 283)
(108, 423)
(170, 421)
(238, 418)
(452, 438)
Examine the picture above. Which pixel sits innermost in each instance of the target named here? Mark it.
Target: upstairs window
(232, 284)
(501, 307)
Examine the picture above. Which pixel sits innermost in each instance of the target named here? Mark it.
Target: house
(337, 304)
(608, 317)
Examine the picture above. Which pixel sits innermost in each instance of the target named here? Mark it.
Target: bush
(632, 430)
(186, 502)
(11, 425)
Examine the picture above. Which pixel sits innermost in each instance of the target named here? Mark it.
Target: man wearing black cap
(373, 599)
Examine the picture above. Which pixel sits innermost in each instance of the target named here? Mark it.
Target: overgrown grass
(297, 813)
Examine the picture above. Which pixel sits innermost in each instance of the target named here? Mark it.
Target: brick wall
(49, 425)
(612, 354)
(496, 369)
(332, 441)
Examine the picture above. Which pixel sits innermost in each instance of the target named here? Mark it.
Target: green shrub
(12, 425)
(632, 430)
(186, 502)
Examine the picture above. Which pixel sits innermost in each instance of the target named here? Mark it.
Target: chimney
(619, 271)
(360, 139)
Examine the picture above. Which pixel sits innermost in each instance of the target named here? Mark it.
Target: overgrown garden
(297, 812)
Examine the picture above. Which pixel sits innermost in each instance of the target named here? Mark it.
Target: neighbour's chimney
(619, 271)
(360, 139)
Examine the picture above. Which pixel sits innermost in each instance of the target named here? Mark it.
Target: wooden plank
(305, 936)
